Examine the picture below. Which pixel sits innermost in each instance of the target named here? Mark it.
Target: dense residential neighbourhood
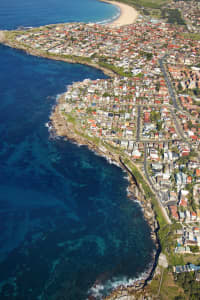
(148, 110)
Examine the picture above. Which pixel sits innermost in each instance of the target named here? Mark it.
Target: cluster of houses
(186, 268)
(191, 13)
(133, 112)
(158, 123)
(109, 109)
(184, 77)
(187, 83)
(190, 125)
(187, 237)
(186, 215)
(104, 110)
(184, 69)
(133, 49)
(176, 178)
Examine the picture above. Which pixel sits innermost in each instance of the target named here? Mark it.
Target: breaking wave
(99, 290)
(112, 19)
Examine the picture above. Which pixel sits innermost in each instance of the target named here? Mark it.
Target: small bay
(65, 218)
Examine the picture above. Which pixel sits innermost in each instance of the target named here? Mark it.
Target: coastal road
(153, 188)
(173, 98)
(138, 123)
(161, 278)
(177, 125)
(145, 169)
(175, 105)
(168, 83)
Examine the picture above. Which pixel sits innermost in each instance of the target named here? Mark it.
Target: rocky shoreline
(68, 130)
(65, 129)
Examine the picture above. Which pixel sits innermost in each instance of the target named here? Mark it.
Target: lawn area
(169, 289)
(191, 36)
(145, 3)
(191, 258)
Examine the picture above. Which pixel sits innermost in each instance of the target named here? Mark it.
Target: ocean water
(41, 12)
(65, 219)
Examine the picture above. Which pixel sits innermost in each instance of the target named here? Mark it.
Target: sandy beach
(2, 36)
(128, 14)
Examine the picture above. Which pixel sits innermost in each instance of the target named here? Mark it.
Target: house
(181, 215)
(181, 178)
(157, 167)
(185, 152)
(124, 143)
(136, 154)
(174, 213)
(146, 117)
(182, 249)
(193, 216)
(172, 196)
(187, 216)
(197, 276)
(183, 203)
(186, 268)
(198, 172)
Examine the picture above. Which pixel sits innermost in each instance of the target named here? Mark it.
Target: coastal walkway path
(173, 98)
(138, 123)
(176, 106)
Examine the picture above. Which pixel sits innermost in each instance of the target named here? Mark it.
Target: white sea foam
(100, 290)
(112, 162)
(110, 20)
(125, 176)
(97, 291)
(137, 201)
(57, 97)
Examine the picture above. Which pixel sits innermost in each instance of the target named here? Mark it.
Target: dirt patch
(163, 261)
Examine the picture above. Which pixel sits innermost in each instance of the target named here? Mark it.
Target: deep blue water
(65, 219)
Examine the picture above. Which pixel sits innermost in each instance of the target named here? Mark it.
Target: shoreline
(2, 36)
(67, 130)
(72, 60)
(128, 14)
(63, 128)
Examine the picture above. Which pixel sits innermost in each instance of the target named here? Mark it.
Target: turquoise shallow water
(65, 219)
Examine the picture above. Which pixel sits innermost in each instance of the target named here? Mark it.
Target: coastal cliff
(66, 129)
(145, 119)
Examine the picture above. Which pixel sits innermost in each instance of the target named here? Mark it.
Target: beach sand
(2, 36)
(128, 14)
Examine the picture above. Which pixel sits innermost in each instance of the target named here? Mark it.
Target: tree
(159, 125)
(179, 298)
(158, 86)
(190, 124)
(180, 87)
